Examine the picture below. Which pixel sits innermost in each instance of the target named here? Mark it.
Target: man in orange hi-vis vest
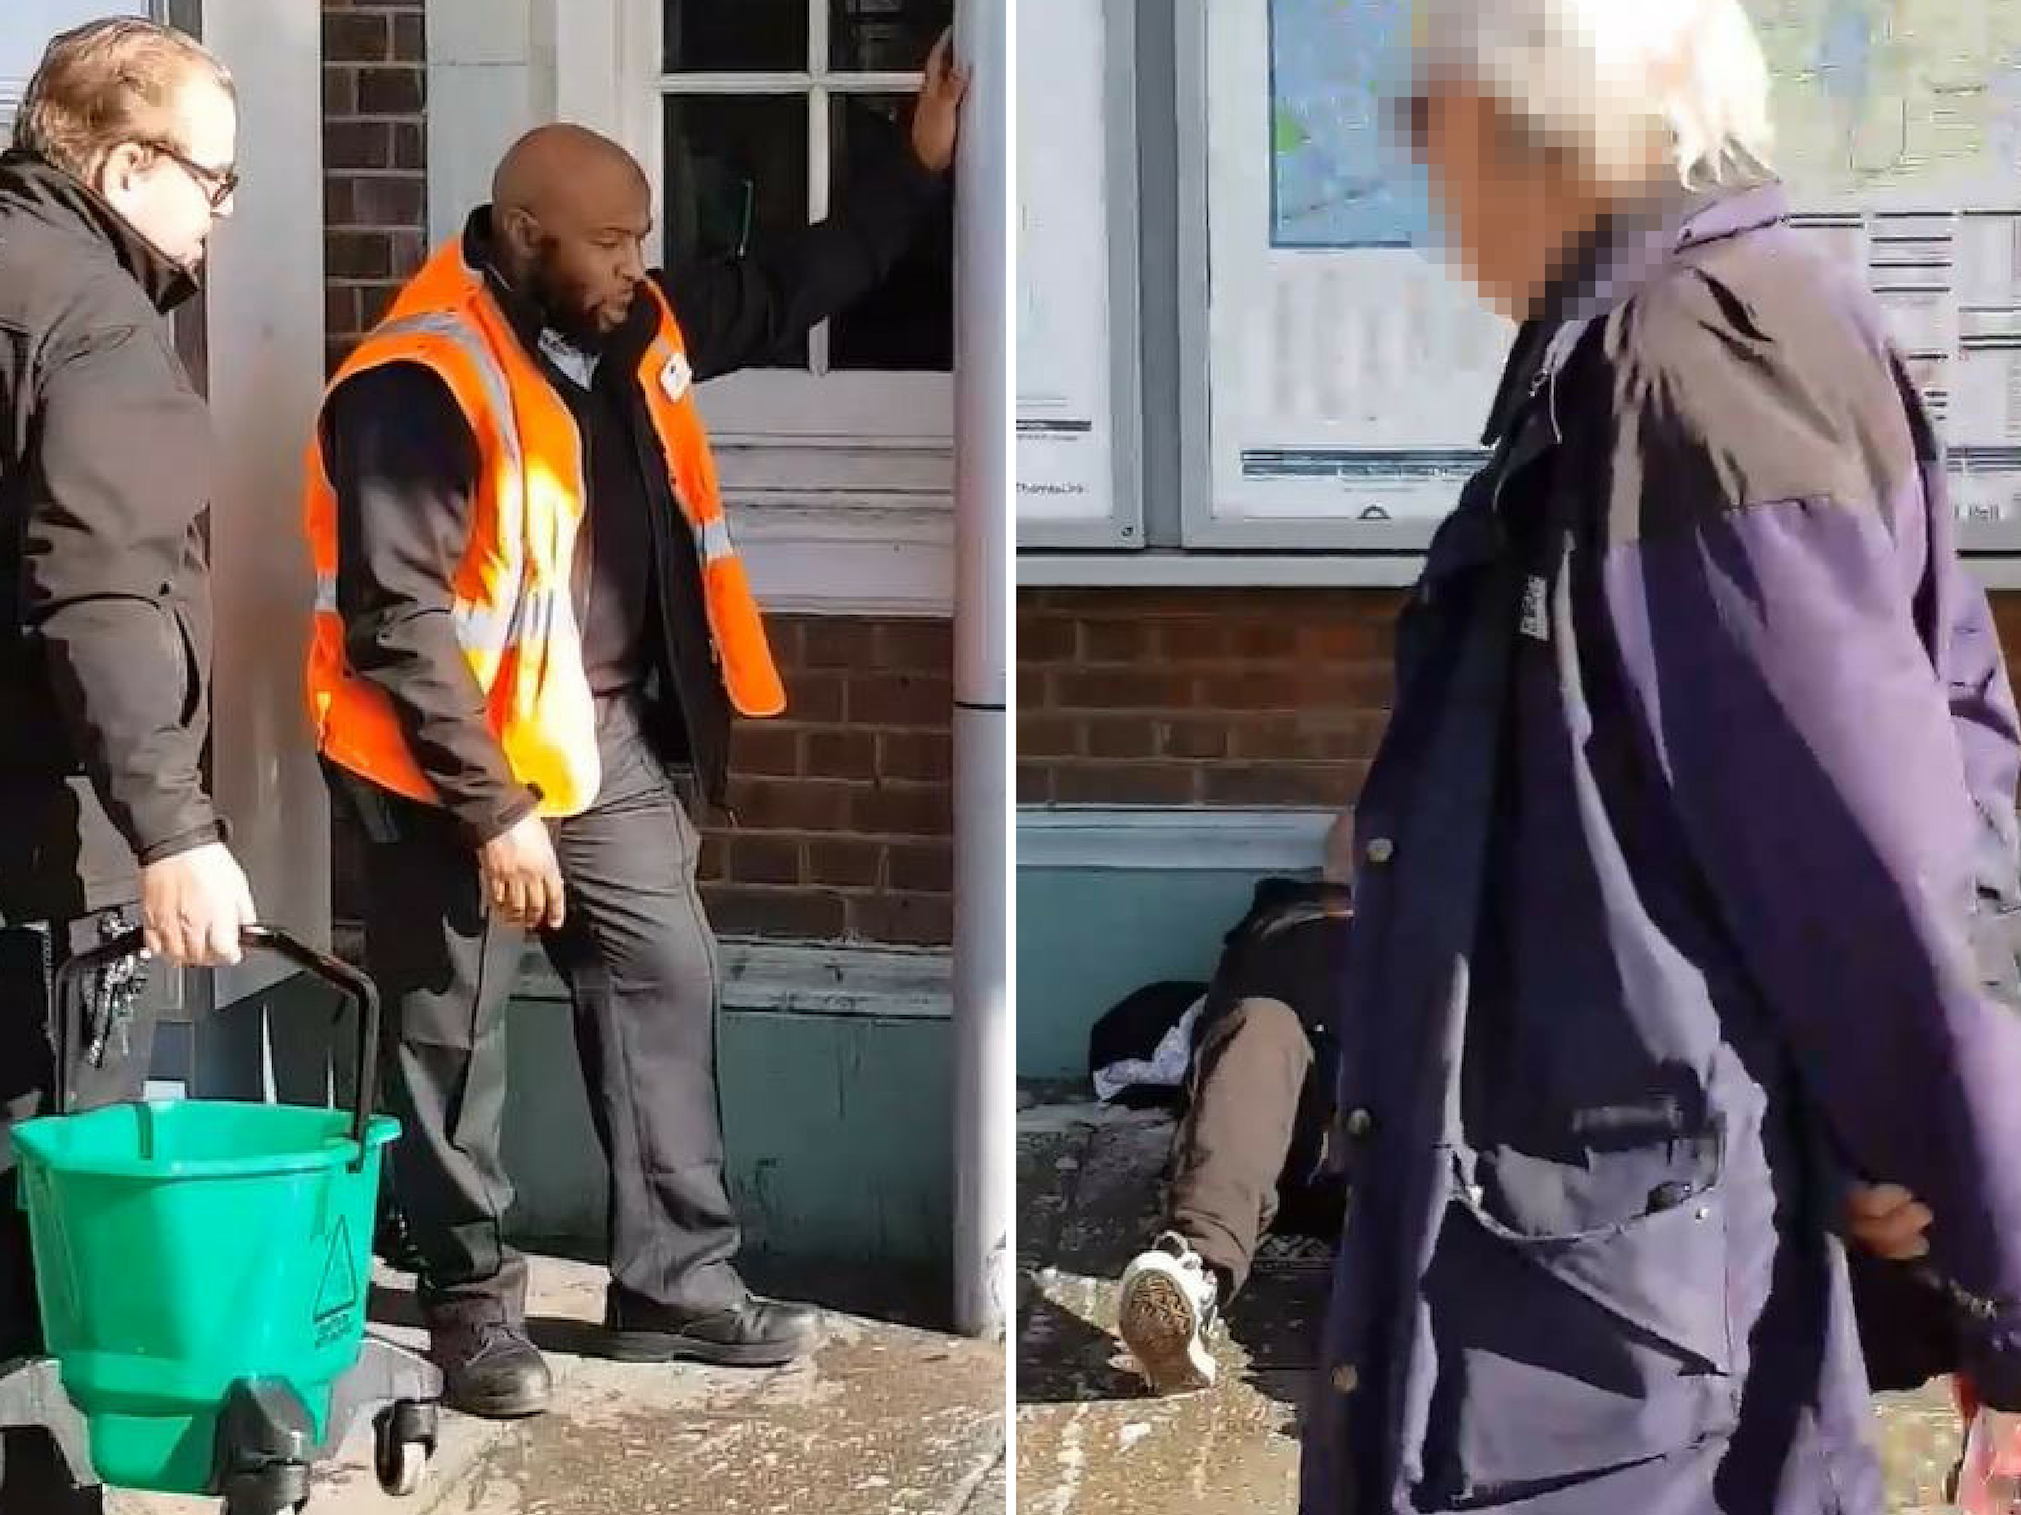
(531, 630)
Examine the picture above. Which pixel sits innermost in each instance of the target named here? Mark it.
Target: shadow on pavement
(1064, 1359)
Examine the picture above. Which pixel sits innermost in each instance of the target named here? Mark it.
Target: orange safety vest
(510, 594)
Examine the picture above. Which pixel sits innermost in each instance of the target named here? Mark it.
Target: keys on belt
(115, 994)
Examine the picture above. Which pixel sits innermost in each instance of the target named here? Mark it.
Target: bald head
(561, 163)
(570, 212)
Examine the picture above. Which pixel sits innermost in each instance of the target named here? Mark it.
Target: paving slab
(1091, 1442)
(884, 1420)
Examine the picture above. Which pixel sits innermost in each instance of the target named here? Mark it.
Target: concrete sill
(809, 978)
(762, 974)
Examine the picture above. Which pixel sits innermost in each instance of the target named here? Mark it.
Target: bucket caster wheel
(400, 1468)
(403, 1439)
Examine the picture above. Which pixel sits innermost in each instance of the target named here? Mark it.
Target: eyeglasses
(218, 184)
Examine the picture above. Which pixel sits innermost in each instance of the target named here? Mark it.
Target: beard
(562, 306)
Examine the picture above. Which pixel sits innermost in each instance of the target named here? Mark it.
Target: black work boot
(753, 1333)
(490, 1369)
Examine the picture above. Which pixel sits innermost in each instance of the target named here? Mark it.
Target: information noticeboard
(1348, 371)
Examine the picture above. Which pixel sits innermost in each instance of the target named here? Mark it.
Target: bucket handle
(341, 976)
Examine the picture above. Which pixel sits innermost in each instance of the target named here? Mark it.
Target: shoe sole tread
(1160, 1327)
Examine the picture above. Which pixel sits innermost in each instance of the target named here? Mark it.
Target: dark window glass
(736, 177)
(907, 322)
(735, 36)
(884, 36)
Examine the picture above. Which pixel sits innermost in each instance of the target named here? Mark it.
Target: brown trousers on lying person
(1250, 1068)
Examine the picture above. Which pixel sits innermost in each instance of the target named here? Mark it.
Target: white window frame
(781, 410)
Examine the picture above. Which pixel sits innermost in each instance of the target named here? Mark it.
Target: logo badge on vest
(676, 375)
(1536, 620)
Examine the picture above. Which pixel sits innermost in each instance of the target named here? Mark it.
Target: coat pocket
(179, 641)
(1563, 1354)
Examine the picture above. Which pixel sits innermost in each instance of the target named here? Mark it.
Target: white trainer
(1165, 1310)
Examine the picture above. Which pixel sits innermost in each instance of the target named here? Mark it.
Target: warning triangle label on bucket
(338, 1292)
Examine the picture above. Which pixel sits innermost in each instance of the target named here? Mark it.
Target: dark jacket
(105, 467)
(1679, 905)
(403, 464)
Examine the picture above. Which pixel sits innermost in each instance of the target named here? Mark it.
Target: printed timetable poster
(1065, 468)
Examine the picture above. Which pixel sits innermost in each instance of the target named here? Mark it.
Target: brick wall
(1238, 697)
(843, 817)
(843, 811)
(1200, 697)
(375, 160)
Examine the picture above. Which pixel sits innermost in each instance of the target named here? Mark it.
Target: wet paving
(1091, 1442)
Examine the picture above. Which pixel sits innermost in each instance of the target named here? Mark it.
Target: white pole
(263, 313)
(983, 1102)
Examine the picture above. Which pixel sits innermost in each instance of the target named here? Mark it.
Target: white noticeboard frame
(1332, 387)
(1079, 407)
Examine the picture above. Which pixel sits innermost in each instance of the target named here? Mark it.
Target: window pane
(736, 177)
(908, 322)
(712, 36)
(884, 36)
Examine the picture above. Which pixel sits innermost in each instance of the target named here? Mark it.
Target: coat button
(1346, 1379)
(1380, 850)
(1359, 1124)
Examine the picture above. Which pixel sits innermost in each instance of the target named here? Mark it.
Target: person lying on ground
(1251, 1142)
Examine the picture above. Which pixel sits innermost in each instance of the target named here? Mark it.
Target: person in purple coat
(1685, 903)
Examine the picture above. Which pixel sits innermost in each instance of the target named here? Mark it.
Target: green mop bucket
(182, 1245)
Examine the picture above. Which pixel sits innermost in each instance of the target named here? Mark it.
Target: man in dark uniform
(122, 163)
(556, 279)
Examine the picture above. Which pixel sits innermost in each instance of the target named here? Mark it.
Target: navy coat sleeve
(1825, 765)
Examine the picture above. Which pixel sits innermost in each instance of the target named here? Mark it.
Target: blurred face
(582, 256)
(173, 188)
(1513, 213)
